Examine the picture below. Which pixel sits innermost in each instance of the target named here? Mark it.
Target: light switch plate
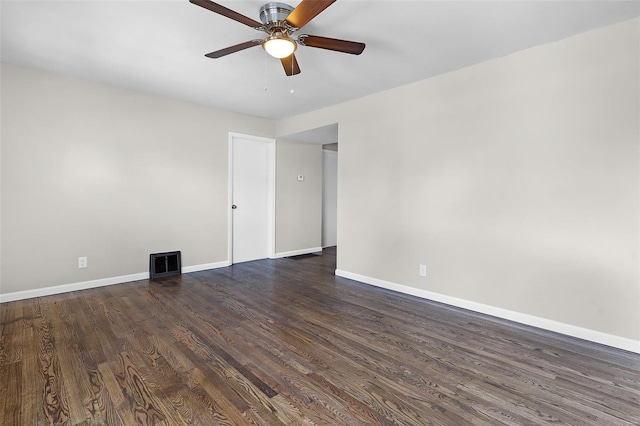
(300, 178)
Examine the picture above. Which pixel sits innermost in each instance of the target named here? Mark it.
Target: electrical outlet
(82, 262)
(423, 270)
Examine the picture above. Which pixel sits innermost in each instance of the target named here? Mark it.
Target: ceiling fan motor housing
(274, 12)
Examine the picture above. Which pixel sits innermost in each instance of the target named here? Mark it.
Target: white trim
(230, 201)
(296, 252)
(546, 324)
(84, 285)
(271, 194)
(205, 267)
(271, 199)
(65, 288)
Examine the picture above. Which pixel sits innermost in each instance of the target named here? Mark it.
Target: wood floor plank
(11, 350)
(55, 394)
(30, 399)
(285, 341)
(73, 365)
(11, 385)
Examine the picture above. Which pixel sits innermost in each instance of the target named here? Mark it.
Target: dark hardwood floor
(286, 342)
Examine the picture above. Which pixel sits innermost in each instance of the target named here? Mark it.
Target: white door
(251, 181)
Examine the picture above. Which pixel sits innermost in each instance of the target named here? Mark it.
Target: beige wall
(298, 204)
(516, 181)
(92, 170)
(1, 134)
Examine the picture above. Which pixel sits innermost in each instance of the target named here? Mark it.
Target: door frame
(271, 193)
(335, 154)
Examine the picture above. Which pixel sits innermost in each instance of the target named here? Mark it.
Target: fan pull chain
(293, 59)
(265, 71)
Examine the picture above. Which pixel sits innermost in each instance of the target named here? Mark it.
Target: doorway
(251, 198)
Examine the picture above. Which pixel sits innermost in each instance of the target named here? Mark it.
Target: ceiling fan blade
(221, 10)
(306, 11)
(345, 46)
(232, 49)
(290, 65)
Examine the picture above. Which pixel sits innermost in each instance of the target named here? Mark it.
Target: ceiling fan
(279, 21)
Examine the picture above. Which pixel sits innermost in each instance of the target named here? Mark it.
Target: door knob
(233, 206)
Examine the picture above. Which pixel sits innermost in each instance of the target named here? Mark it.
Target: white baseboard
(543, 323)
(65, 288)
(296, 252)
(205, 266)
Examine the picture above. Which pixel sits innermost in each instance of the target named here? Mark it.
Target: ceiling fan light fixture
(279, 46)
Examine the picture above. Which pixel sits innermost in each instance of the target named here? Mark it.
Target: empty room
(323, 212)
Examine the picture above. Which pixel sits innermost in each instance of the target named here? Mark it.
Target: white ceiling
(158, 46)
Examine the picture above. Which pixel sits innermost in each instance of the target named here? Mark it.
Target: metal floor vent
(163, 265)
